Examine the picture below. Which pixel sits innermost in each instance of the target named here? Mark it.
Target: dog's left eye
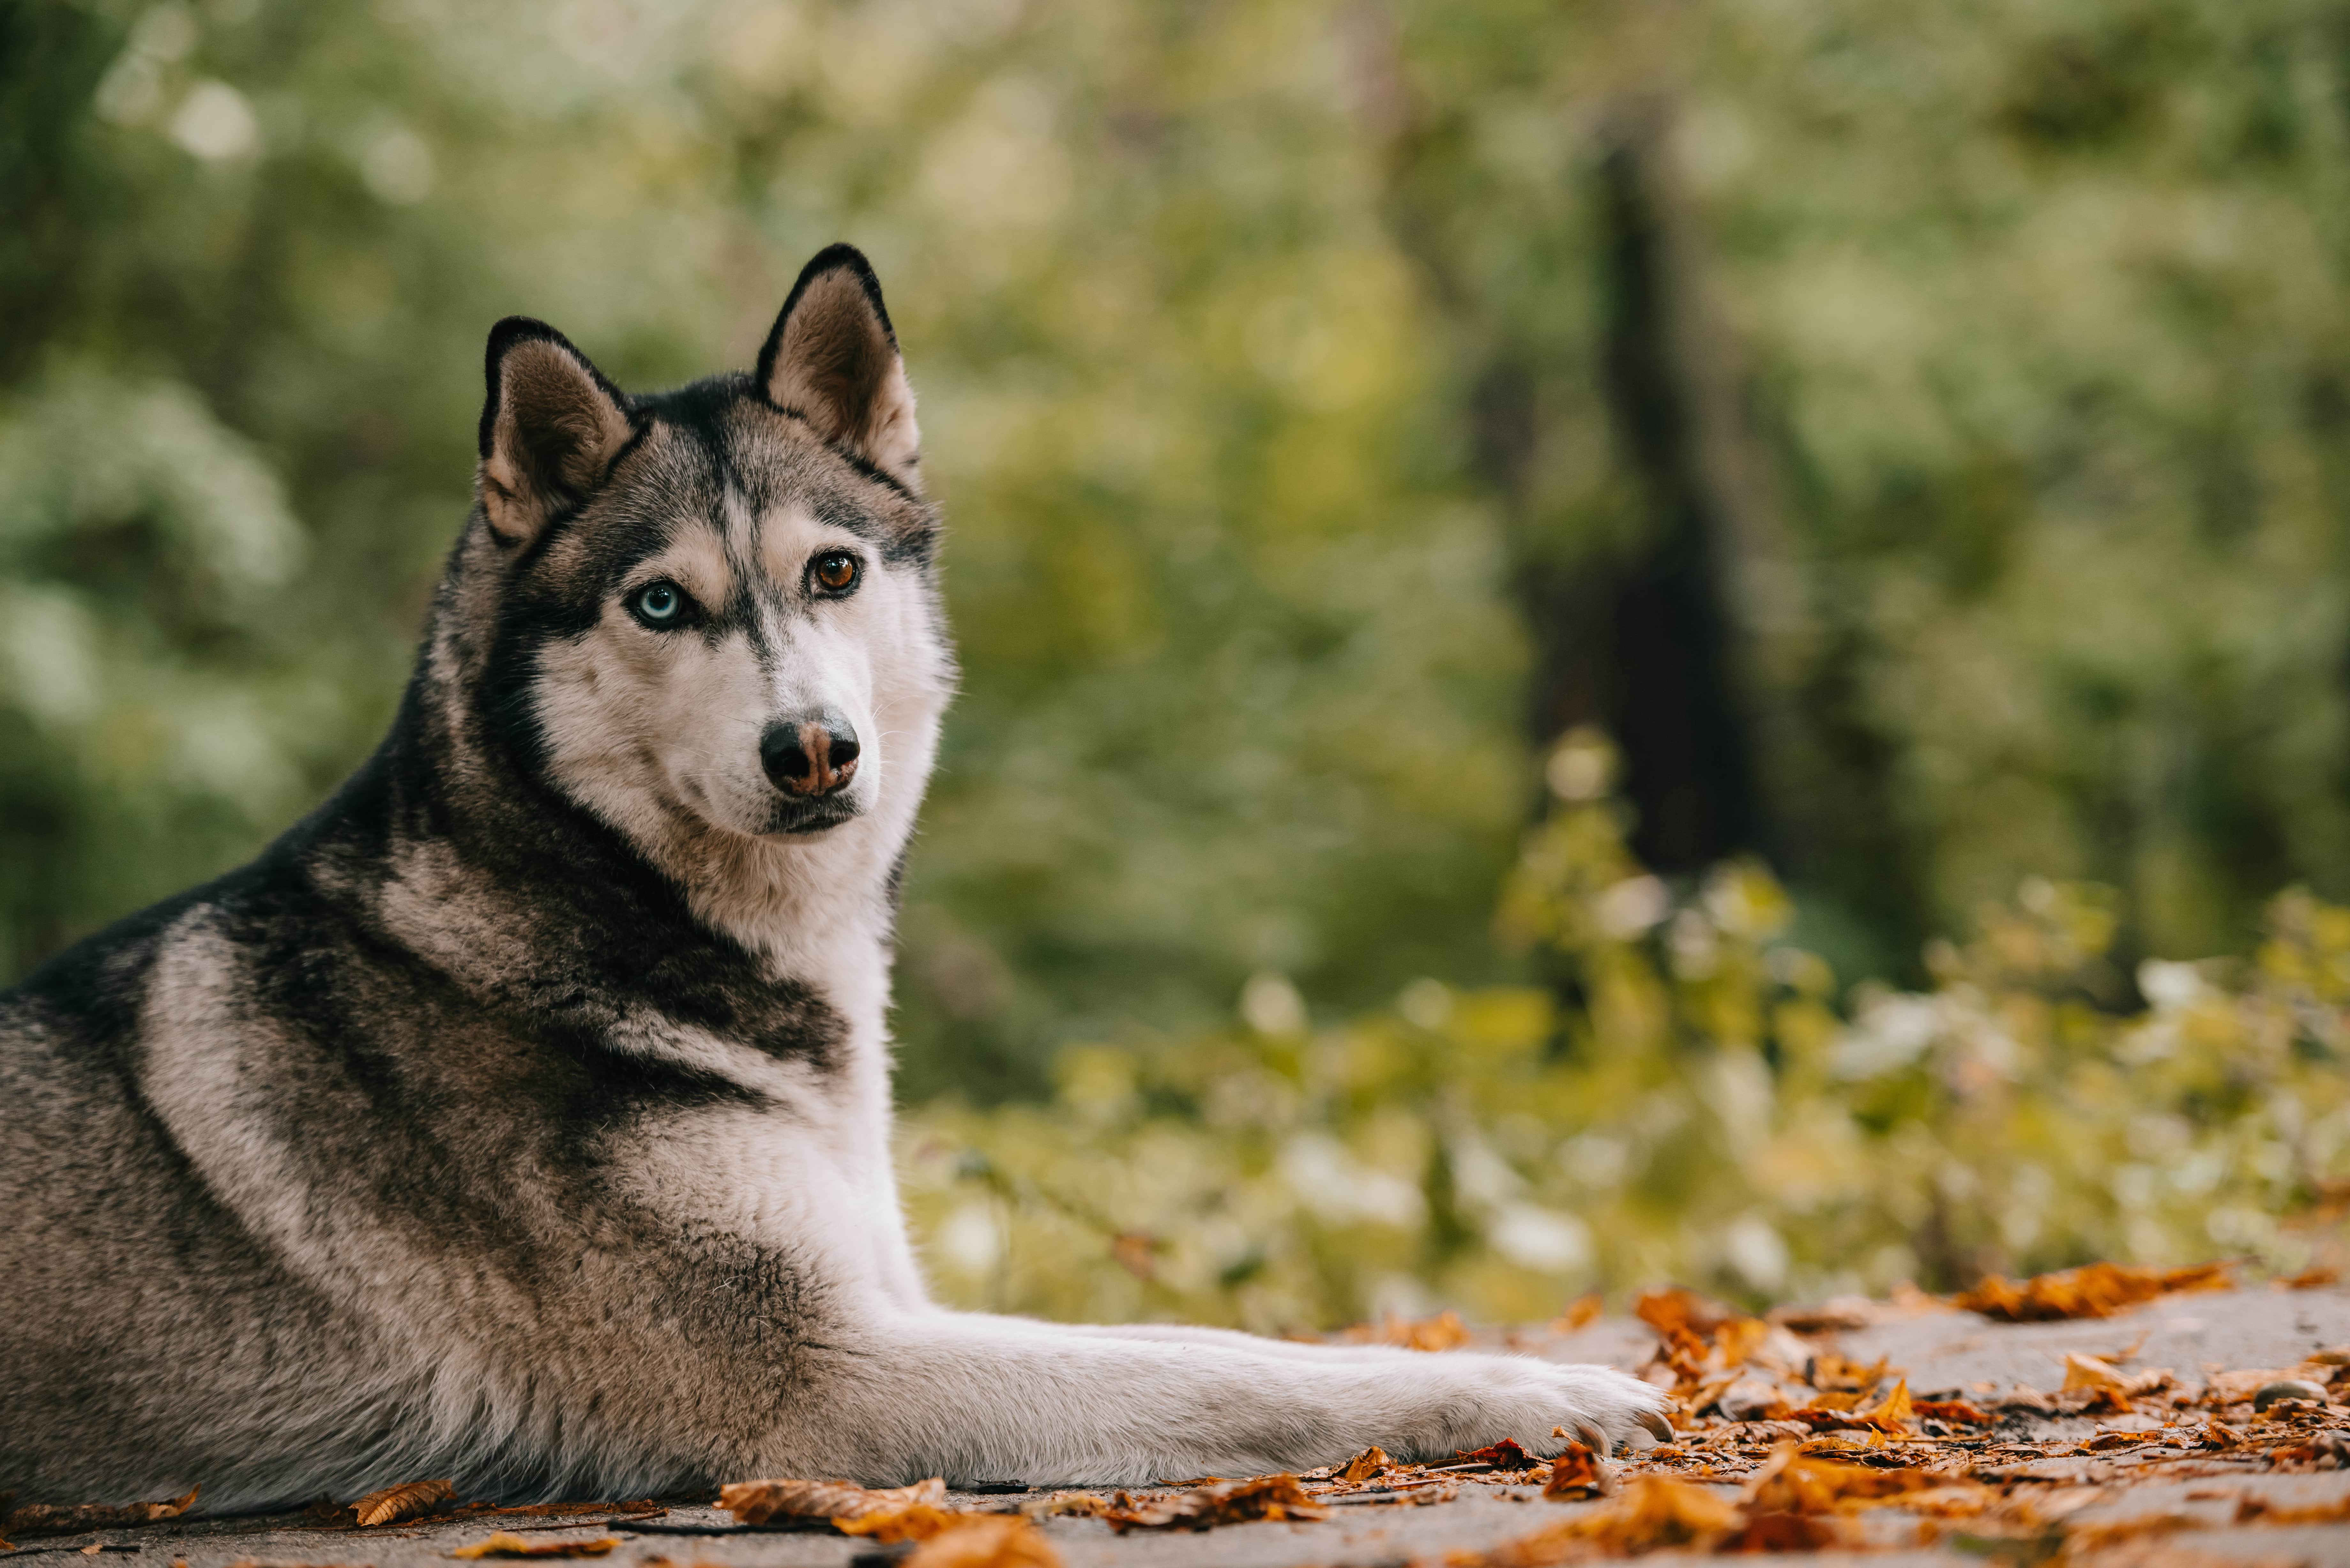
(834, 572)
(660, 605)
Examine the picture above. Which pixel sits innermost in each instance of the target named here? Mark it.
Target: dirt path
(2173, 1470)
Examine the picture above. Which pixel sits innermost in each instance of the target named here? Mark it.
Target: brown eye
(834, 572)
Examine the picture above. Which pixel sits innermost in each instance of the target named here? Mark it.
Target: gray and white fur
(522, 1115)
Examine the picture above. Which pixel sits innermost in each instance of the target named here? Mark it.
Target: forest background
(1827, 514)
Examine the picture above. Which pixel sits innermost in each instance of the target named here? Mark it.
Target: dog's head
(709, 616)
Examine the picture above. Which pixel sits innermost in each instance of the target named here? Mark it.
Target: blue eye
(659, 604)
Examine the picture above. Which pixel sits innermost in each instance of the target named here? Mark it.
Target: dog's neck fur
(518, 893)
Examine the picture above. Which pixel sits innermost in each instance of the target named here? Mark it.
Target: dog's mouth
(804, 816)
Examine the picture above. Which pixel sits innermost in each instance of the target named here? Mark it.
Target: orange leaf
(757, 1501)
(1371, 1462)
(1956, 1411)
(1577, 1472)
(908, 1522)
(985, 1541)
(1651, 1514)
(1504, 1455)
(1792, 1483)
(1582, 1311)
(50, 1519)
(405, 1500)
(1225, 1502)
(2097, 1290)
(504, 1544)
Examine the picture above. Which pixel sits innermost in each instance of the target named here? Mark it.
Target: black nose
(812, 754)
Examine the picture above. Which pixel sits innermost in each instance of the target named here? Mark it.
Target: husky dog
(522, 1115)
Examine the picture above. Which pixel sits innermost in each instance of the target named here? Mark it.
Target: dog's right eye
(660, 605)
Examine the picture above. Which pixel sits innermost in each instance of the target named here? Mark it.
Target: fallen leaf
(1891, 1414)
(1740, 1338)
(1579, 1312)
(758, 1502)
(985, 1541)
(505, 1544)
(2089, 1372)
(1069, 1505)
(48, 1519)
(1954, 1411)
(1793, 1483)
(405, 1500)
(1577, 1472)
(1504, 1455)
(1782, 1532)
(2096, 1289)
(1835, 1316)
(2260, 1510)
(1273, 1497)
(1136, 1251)
(2238, 1388)
(907, 1521)
(1649, 1514)
(1949, 1500)
(1372, 1462)
(2309, 1279)
(1829, 1372)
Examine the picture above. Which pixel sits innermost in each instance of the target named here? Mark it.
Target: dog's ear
(551, 427)
(832, 358)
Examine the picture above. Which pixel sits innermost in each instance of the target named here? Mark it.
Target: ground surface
(2178, 1472)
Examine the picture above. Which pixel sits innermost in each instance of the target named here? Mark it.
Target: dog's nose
(812, 754)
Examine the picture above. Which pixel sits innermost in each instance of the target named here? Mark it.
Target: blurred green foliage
(1268, 353)
(1693, 1109)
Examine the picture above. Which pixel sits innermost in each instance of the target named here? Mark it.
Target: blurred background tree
(1915, 436)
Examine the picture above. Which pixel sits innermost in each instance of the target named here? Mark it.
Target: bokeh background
(1603, 640)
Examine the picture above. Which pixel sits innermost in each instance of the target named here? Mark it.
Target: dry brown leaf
(2238, 1388)
(1792, 1483)
(1506, 1455)
(2260, 1510)
(2309, 1279)
(1740, 1338)
(1069, 1505)
(506, 1544)
(758, 1502)
(1576, 1473)
(1136, 1251)
(907, 1521)
(1372, 1462)
(50, 1519)
(1675, 1310)
(1784, 1532)
(1225, 1502)
(1834, 1316)
(2089, 1372)
(1442, 1332)
(2096, 1290)
(1649, 1514)
(1956, 1412)
(1580, 1312)
(405, 1500)
(1891, 1414)
(986, 1540)
(1948, 1500)
(1831, 1373)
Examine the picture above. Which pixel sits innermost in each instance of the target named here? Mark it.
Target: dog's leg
(987, 1398)
(1295, 1349)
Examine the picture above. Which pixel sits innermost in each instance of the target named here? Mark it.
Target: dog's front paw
(1486, 1398)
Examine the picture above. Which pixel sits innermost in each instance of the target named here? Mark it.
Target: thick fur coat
(522, 1115)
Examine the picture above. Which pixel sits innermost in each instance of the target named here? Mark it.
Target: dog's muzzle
(809, 756)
